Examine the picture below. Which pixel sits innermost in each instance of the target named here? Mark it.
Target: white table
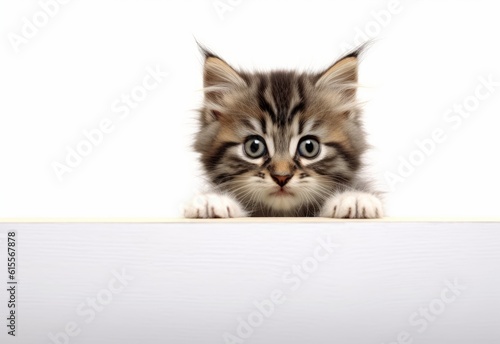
(266, 281)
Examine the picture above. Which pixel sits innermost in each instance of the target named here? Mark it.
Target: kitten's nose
(281, 179)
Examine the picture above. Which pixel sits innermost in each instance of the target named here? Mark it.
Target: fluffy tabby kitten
(282, 143)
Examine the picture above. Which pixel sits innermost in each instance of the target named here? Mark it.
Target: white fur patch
(270, 144)
(212, 205)
(294, 141)
(308, 127)
(353, 205)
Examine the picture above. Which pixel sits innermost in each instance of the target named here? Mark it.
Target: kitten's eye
(255, 147)
(309, 148)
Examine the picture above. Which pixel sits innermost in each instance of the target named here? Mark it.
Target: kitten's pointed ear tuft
(205, 51)
(343, 73)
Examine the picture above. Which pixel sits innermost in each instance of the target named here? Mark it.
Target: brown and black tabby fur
(281, 108)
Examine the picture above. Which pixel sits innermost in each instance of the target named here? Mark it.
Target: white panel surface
(263, 282)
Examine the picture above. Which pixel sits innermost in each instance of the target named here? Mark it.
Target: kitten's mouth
(282, 192)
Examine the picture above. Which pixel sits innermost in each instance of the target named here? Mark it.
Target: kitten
(282, 143)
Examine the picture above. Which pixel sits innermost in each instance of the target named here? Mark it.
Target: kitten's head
(280, 142)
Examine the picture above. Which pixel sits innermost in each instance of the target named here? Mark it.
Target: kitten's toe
(370, 207)
(353, 205)
(213, 206)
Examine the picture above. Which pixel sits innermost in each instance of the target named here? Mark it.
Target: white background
(65, 79)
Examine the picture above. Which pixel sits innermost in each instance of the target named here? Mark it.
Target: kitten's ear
(218, 74)
(219, 78)
(342, 74)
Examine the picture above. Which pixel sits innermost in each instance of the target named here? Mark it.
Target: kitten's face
(281, 142)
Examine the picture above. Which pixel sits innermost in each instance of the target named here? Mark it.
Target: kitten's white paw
(353, 205)
(212, 205)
